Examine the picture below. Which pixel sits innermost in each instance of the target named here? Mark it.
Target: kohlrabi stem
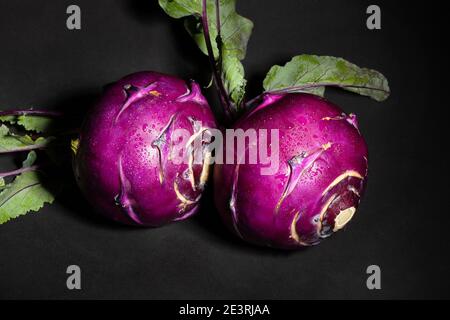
(219, 36)
(249, 103)
(224, 99)
(30, 112)
(297, 89)
(26, 148)
(319, 84)
(18, 171)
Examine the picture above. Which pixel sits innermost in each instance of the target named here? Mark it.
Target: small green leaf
(11, 142)
(233, 78)
(35, 123)
(23, 195)
(310, 73)
(31, 123)
(182, 8)
(235, 32)
(74, 145)
(30, 160)
(9, 119)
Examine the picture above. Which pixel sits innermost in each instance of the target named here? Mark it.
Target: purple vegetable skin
(319, 183)
(122, 161)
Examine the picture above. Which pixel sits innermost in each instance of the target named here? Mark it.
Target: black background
(403, 219)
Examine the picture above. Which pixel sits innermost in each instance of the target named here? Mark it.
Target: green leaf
(182, 8)
(35, 123)
(235, 32)
(10, 142)
(310, 73)
(9, 119)
(233, 78)
(74, 145)
(31, 123)
(23, 195)
(30, 160)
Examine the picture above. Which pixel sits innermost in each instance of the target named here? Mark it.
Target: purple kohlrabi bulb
(123, 159)
(319, 182)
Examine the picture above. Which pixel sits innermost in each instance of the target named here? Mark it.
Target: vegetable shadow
(209, 221)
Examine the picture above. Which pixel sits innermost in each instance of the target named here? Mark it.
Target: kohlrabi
(124, 158)
(125, 162)
(320, 154)
(317, 185)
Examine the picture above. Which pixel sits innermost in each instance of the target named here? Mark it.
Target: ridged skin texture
(317, 188)
(122, 162)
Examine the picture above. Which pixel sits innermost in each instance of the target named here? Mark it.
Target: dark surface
(401, 224)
